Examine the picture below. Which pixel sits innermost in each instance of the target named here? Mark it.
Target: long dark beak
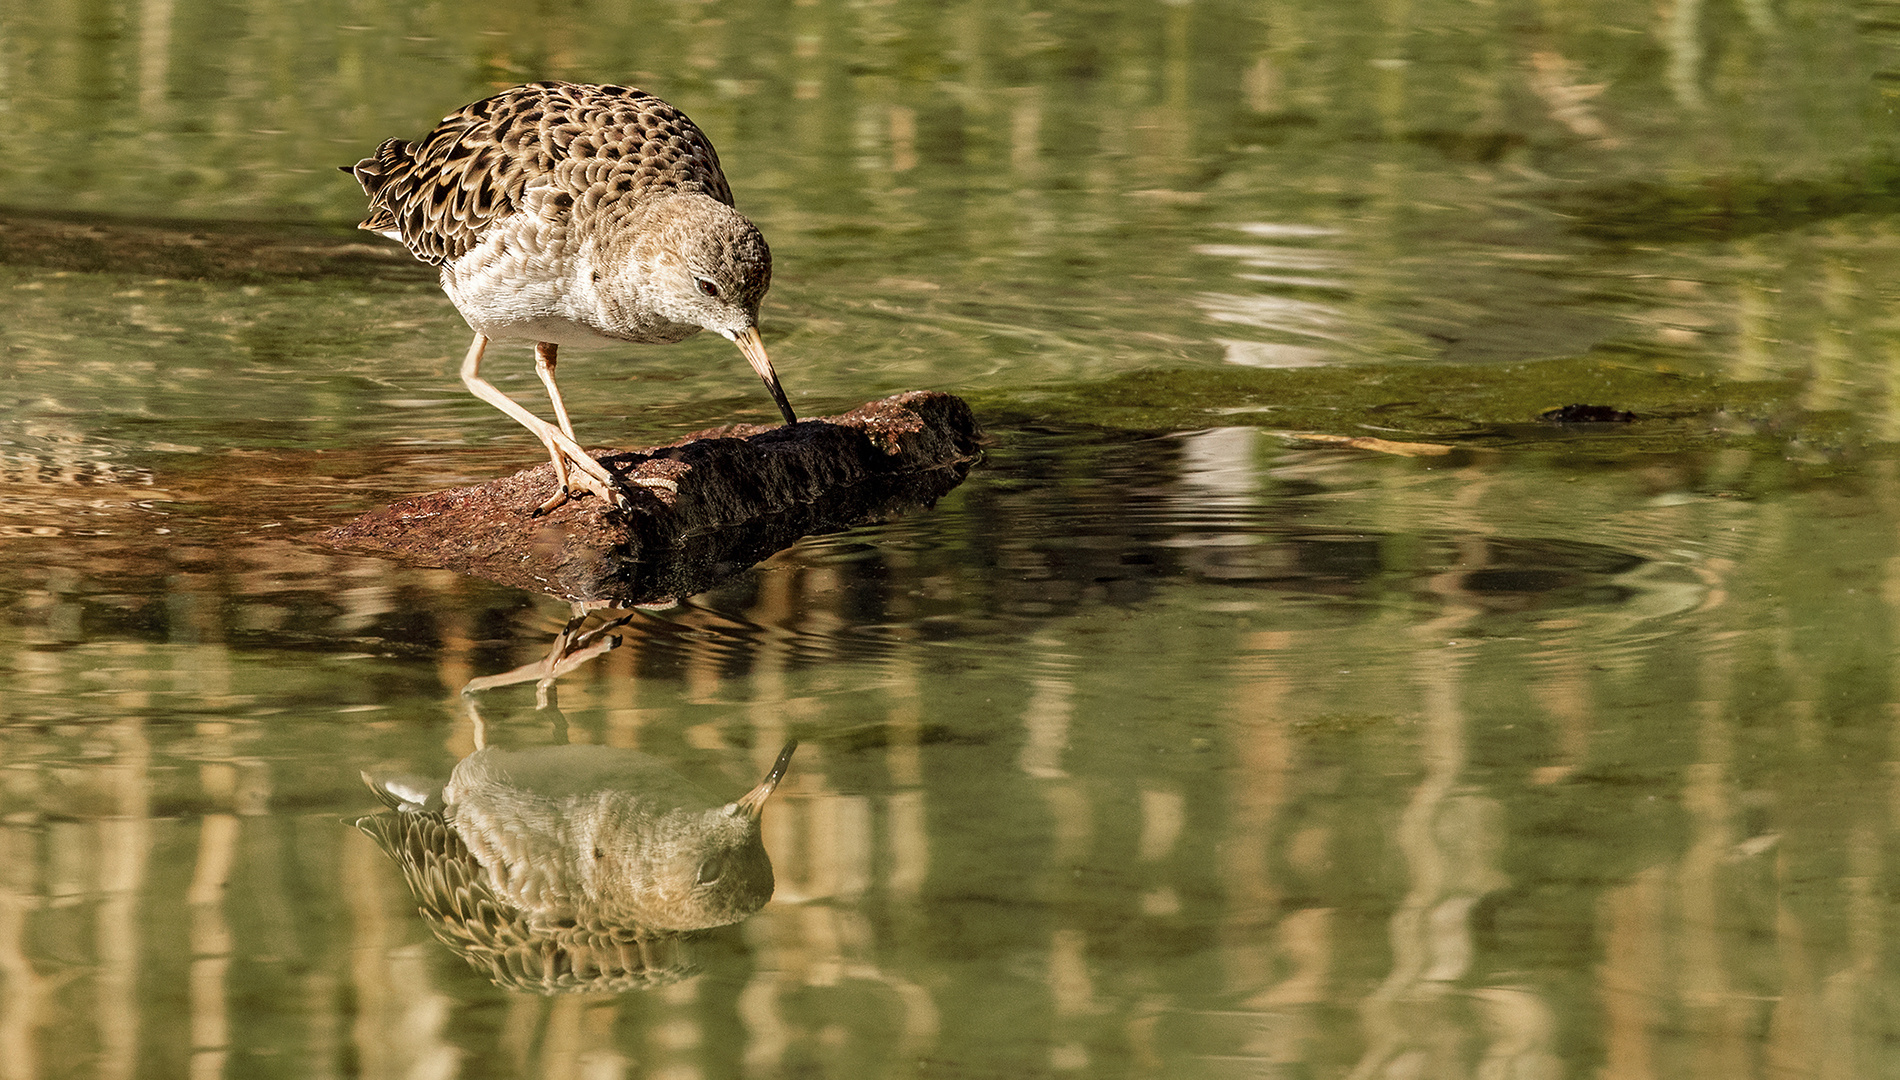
(752, 803)
(753, 347)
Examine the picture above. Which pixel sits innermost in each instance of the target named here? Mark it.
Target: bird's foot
(555, 502)
(575, 468)
(597, 481)
(617, 497)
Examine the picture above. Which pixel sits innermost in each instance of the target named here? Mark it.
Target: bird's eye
(710, 870)
(709, 288)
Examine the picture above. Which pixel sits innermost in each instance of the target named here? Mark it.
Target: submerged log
(745, 492)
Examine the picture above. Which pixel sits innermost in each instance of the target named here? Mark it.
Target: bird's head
(697, 869)
(700, 263)
(712, 267)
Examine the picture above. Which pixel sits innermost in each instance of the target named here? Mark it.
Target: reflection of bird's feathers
(555, 774)
(573, 867)
(594, 833)
(454, 896)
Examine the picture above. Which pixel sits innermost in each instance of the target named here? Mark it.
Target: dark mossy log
(744, 492)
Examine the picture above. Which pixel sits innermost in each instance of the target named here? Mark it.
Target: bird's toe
(555, 502)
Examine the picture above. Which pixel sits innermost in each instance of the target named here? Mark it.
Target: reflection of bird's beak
(752, 803)
(753, 347)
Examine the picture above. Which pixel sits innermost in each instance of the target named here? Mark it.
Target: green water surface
(1280, 698)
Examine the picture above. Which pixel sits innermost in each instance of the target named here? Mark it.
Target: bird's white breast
(525, 282)
(533, 277)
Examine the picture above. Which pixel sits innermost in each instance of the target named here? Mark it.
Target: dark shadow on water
(1725, 207)
(240, 252)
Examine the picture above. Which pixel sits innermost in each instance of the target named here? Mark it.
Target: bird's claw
(575, 468)
(583, 472)
(614, 494)
(555, 502)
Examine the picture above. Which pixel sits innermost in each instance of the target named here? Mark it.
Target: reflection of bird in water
(575, 867)
(574, 215)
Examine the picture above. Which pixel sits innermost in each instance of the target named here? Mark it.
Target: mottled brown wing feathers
(591, 143)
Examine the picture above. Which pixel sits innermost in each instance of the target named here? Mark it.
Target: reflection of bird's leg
(562, 449)
(575, 645)
(478, 727)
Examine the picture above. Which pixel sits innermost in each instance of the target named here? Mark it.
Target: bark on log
(744, 492)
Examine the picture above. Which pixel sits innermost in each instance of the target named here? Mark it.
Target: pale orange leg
(544, 366)
(562, 449)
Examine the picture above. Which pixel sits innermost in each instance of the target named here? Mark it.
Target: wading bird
(568, 214)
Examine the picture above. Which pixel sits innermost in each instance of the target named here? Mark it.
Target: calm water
(1184, 739)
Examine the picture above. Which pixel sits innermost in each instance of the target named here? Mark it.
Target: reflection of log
(744, 493)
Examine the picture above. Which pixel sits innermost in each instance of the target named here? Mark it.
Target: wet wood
(744, 492)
